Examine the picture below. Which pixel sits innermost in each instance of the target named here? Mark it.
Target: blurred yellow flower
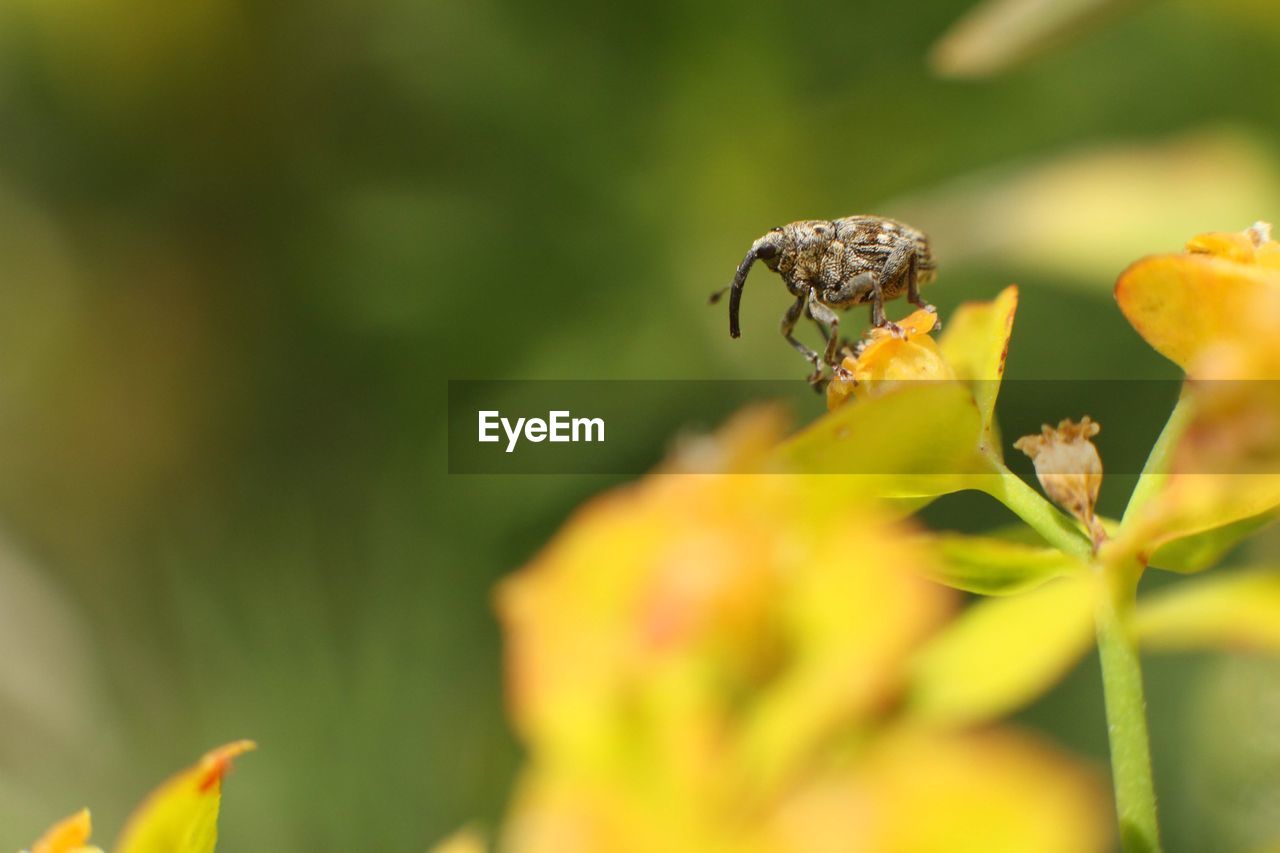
(717, 662)
(960, 793)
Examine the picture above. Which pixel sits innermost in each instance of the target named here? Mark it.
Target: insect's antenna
(735, 291)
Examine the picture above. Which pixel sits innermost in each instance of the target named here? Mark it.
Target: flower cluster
(757, 649)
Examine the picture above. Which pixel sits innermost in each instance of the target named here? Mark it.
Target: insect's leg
(877, 303)
(878, 320)
(789, 321)
(913, 291)
(844, 346)
(824, 316)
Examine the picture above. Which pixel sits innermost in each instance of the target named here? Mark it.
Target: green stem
(1117, 649)
(1057, 529)
(1156, 469)
(1126, 710)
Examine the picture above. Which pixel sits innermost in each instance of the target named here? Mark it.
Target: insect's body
(835, 264)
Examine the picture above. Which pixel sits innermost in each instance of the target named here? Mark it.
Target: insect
(833, 265)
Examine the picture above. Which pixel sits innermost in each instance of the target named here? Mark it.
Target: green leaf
(1234, 610)
(997, 566)
(1201, 550)
(1002, 653)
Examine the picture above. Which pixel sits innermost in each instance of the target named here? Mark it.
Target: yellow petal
(1236, 610)
(976, 345)
(1002, 652)
(181, 816)
(1187, 304)
(919, 439)
(68, 836)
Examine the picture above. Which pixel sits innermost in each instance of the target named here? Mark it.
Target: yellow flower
(917, 438)
(717, 661)
(1214, 310)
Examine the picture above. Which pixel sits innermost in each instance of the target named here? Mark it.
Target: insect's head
(768, 248)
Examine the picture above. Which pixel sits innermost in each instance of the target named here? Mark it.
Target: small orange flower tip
(888, 356)
(70, 835)
(215, 763)
(919, 322)
(1248, 246)
(1069, 469)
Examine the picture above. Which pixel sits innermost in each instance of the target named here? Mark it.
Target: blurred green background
(242, 247)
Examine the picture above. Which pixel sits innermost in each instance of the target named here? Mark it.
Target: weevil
(830, 265)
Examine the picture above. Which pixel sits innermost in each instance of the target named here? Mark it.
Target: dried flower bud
(1069, 468)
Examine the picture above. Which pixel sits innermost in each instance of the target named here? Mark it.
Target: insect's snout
(766, 249)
